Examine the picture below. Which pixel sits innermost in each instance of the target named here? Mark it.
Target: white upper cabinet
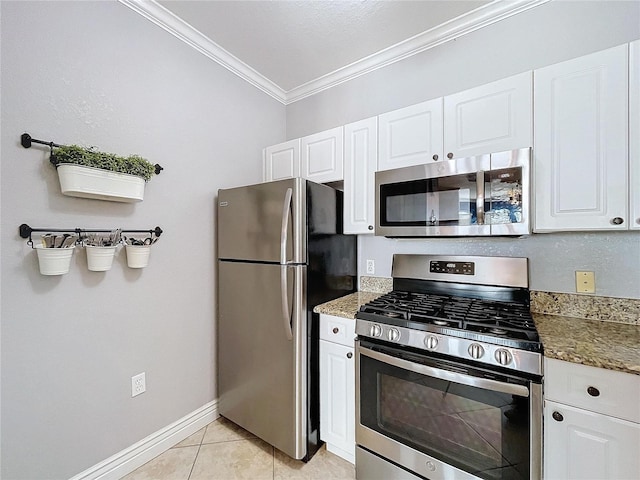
(580, 152)
(634, 134)
(321, 156)
(491, 118)
(282, 161)
(360, 159)
(410, 136)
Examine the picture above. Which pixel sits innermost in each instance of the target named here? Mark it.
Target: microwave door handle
(286, 208)
(284, 293)
(488, 384)
(480, 197)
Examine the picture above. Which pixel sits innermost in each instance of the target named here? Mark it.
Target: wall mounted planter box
(89, 182)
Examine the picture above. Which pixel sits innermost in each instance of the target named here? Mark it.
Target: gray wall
(550, 33)
(97, 73)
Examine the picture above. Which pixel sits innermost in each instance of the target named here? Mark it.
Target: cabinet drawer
(595, 389)
(338, 330)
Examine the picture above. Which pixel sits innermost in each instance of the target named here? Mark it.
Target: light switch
(585, 282)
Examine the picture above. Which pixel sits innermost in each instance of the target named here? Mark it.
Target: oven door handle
(486, 383)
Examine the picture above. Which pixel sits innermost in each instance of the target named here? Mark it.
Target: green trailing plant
(90, 157)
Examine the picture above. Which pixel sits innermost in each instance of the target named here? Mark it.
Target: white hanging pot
(138, 255)
(89, 182)
(54, 261)
(99, 259)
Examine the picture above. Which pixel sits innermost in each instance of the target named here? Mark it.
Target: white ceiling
(294, 42)
(292, 48)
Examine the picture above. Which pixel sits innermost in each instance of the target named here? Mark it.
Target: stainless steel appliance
(280, 253)
(449, 373)
(481, 195)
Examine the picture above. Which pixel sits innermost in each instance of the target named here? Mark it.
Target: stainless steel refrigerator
(281, 252)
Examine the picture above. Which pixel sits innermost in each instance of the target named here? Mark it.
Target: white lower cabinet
(337, 385)
(580, 444)
(591, 423)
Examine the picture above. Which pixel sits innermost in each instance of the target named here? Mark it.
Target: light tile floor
(224, 451)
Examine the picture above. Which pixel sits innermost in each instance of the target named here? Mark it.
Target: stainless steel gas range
(449, 373)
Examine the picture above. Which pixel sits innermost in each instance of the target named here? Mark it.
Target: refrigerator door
(262, 351)
(265, 222)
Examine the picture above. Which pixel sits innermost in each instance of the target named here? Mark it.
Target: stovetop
(471, 308)
(505, 322)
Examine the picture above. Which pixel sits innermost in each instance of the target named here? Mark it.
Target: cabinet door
(322, 156)
(282, 161)
(579, 444)
(634, 134)
(580, 152)
(360, 157)
(491, 118)
(337, 399)
(411, 135)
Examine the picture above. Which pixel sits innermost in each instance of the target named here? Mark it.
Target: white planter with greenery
(88, 173)
(89, 182)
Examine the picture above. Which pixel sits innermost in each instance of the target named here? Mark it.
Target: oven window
(435, 201)
(482, 432)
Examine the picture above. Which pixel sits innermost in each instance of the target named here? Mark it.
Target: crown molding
(481, 17)
(166, 20)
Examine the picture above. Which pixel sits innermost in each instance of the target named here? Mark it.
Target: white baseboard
(127, 460)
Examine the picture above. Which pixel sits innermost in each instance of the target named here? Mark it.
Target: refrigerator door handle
(286, 313)
(286, 208)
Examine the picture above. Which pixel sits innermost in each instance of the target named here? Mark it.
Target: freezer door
(263, 222)
(262, 351)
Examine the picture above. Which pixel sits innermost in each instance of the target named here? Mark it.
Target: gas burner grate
(487, 317)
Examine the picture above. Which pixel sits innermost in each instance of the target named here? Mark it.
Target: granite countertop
(347, 306)
(610, 345)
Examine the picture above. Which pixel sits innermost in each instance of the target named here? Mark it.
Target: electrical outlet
(138, 384)
(585, 282)
(371, 267)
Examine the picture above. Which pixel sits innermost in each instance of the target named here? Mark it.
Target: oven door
(442, 419)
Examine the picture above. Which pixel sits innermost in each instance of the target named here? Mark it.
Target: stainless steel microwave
(473, 196)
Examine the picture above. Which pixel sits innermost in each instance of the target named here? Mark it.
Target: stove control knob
(375, 330)
(476, 350)
(431, 342)
(393, 334)
(503, 357)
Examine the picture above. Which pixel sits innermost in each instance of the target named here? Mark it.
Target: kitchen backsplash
(376, 284)
(609, 309)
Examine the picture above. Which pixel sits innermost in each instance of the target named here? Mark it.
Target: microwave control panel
(453, 268)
